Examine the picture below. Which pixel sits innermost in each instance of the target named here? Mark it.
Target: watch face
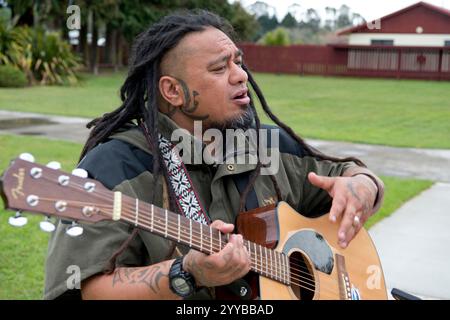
(181, 285)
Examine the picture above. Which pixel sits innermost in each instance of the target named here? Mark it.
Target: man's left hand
(353, 200)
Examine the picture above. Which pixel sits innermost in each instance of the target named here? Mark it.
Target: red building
(411, 43)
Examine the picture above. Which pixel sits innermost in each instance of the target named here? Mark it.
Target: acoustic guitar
(292, 257)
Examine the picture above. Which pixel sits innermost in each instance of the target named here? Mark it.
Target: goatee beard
(244, 121)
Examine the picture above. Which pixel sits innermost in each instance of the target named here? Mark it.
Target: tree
(295, 11)
(330, 22)
(277, 37)
(260, 8)
(289, 21)
(312, 20)
(245, 25)
(266, 24)
(357, 19)
(343, 19)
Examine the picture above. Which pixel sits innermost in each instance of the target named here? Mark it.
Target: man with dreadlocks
(187, 68)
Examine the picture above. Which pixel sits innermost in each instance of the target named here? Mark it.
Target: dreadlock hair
(139, 96)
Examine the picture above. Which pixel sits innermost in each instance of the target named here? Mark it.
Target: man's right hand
(223, 267)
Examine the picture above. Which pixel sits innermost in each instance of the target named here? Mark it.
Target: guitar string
(300, 283)
(161, 227)
(274, 266)
(303, 284)
(108, 197)
(263, 265)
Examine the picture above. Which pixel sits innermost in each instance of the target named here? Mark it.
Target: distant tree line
(115, 23)
(300, 25)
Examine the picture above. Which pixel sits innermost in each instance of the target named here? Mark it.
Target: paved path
(412, 243)
(430, 164)
(63, 128)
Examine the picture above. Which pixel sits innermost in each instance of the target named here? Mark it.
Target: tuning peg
(54, 165)
(27, 157)
(47, 225)
(18, 220)
(80, 173)
(74, 230)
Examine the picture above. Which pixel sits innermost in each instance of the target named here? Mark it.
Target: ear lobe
(170, 90)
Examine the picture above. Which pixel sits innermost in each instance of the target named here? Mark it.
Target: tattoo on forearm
(148, 276)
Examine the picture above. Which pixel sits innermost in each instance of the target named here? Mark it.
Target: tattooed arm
(357, 194)
(150, 282)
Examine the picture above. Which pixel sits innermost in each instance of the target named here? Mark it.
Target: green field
(23, 250)
(407, 113)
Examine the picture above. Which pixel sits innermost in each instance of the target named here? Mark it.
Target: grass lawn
(407, 113)
(23, 250)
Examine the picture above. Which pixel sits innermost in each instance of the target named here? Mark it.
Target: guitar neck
(203, 238)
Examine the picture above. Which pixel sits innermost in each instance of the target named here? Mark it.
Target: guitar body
(319, 267)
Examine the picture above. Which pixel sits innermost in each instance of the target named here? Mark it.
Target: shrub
(277, 37)
(11, 77)
(53, 61)
(43, 56)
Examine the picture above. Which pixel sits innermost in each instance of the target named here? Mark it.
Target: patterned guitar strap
(187, 198)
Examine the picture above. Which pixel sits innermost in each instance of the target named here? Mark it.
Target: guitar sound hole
(302, 276)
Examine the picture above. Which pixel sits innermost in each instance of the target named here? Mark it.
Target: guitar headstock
(31, 187)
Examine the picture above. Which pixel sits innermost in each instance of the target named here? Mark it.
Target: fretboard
(203, 238)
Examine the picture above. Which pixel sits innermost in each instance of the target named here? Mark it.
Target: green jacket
(124, 163)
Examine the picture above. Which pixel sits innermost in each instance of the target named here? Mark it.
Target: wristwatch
(181, 282)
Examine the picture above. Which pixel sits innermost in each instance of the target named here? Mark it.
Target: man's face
(207, 67)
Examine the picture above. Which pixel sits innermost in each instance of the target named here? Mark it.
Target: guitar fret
(267, 262)
(201, 238)
(190, 233)
(260, 257)
(165, 231)
(272, 265)
(256, 256)
(280, 259)
(210, 240)
(277, 266)
(151, 226)
(286, 261)
(280, 262)
(179, 227)
(136, 213)
(220, 241)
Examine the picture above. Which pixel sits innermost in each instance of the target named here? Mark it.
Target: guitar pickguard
(314, 246)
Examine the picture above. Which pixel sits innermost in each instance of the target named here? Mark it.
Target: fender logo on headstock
(18, 191)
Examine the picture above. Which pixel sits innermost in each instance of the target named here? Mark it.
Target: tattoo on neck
(171, 110)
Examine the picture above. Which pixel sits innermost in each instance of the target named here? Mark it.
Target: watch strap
(176, 271)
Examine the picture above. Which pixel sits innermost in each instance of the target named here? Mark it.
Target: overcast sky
(369, 9)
